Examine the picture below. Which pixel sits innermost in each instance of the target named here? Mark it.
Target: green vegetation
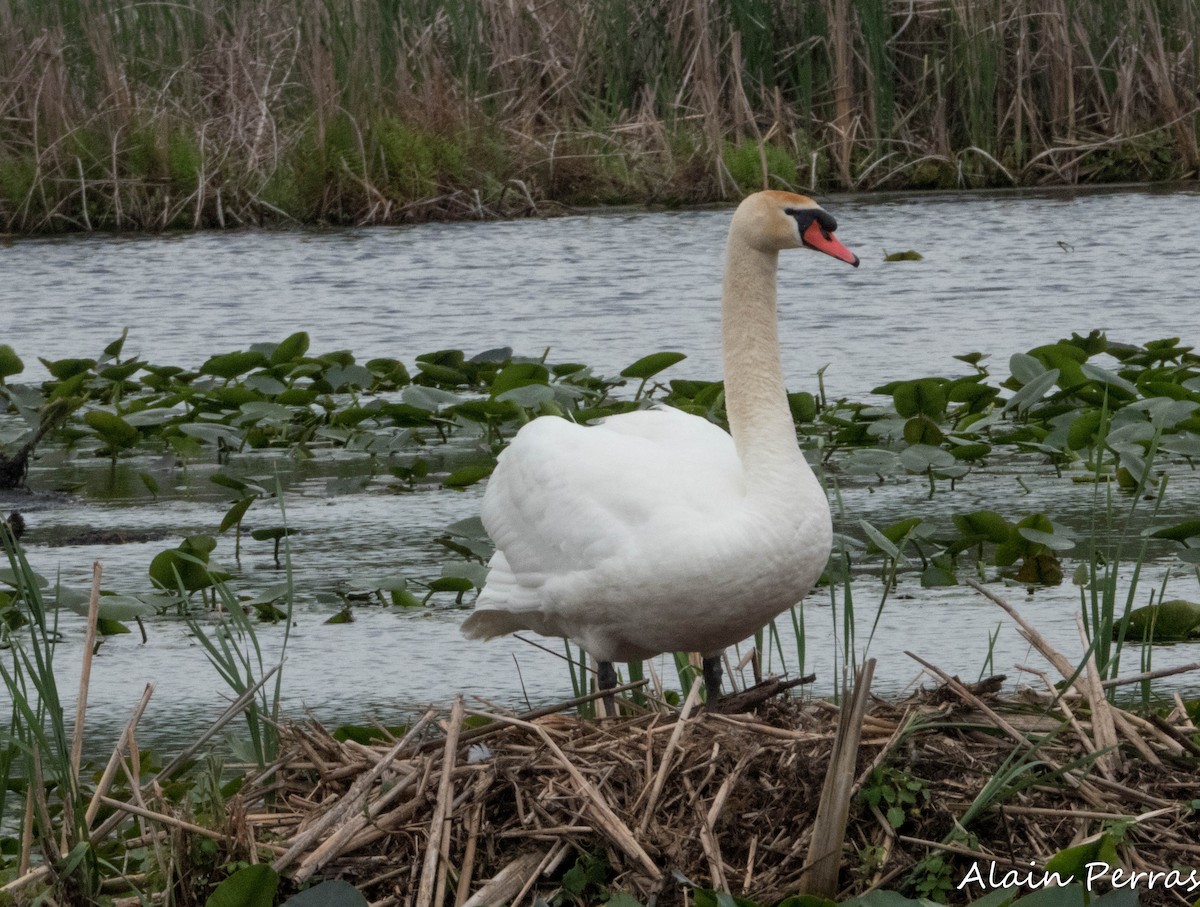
(160, 116)
(1115, 425)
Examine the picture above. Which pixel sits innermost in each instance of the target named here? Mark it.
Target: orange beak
(817, 237)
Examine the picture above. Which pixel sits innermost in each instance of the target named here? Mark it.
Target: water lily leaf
(872, 461)
(65, 369)
(117, 373)
(336, 892)
(270, 594)
(468, 475)
(469, 528)
(272, 533)
(1084, 429)
(976, 451)
(923, 430)
(924, 457)
(119, 607)
(986, 525)
(908, 255)
(1055, 540)
(345, 616)
(802, 404)
(106, 626)
(443, 374)
(495, 355)
(451, 584)
(212, 433)
(154, 416)
(1025, 368)
(1180, 532)
(250, 886)
(926, 397)
(649, 366)
(264, 411)
(265, 384)
(530, 396)
(10, 362)
(112, 429)
(519, 374)
(879, 540)
(290, 349)
(340, 377)
(234, 514)
(1118, 386)
(1032, 392)
(1171, 621)
(186, 566)
(427, 398)
(473, 573)
(230, 365)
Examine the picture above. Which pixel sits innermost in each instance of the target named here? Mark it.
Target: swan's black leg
(712, 678)
(606, 677)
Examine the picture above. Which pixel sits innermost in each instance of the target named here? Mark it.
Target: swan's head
(770, 221)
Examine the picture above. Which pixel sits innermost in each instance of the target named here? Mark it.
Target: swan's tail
(486, 623)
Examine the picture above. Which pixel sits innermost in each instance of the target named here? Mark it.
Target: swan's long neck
(755, 395)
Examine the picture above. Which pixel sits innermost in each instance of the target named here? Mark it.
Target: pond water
(1001, 273)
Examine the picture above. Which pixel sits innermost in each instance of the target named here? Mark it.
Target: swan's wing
(566, 498)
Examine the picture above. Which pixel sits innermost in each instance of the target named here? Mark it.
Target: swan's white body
(655, 531)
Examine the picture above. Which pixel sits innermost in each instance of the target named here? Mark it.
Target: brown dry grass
(196, 114)
(726, 800)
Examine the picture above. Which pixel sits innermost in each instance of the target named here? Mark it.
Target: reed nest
(496, 814)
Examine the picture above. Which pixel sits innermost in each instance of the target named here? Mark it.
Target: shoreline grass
(157, 116)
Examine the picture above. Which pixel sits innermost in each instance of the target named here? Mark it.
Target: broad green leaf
(649, 366)
(1032, 392)
(234, 514)
(336, 892)
(250, 886)
(926, 397)
(230, 365)
(113, 350)
(10, 362)
(1055, 541)
(112, 429)
(519, 374)
(290, 349)
(1115, 383)
(1180, 532)
(985, 524)
(468, 475)
(1171, 621)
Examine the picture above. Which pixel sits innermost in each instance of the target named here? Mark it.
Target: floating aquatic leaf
(519, 374)
(265, 384)
(649, 366)
(985, 525)
(1180, 532)
(1032, 392)
(336, 892)
(112, 429)
(468, 475)
(250, 886)
(908, 255)
(1171, 621)
(230, 365)
(290, 349)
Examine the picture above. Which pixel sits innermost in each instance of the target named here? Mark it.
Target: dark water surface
(1001, 273)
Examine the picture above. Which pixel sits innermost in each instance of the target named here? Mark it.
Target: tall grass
(155, 115)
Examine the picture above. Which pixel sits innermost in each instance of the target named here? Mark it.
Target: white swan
(655, 531)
